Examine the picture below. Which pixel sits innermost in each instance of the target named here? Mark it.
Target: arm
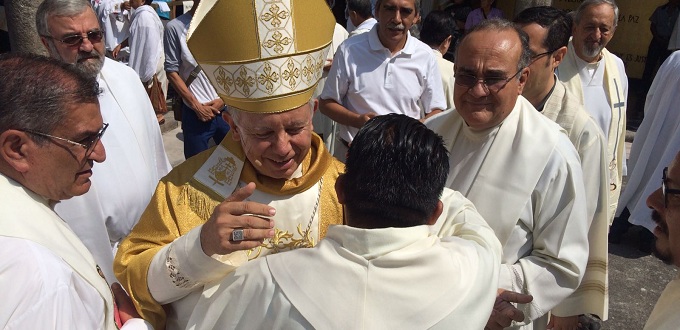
(558, 231)
(145, 46)
(342, 115)
(432, 98)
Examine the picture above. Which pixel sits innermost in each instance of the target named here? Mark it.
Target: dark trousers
(197, 134)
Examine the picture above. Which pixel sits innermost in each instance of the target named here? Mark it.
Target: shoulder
(442, 120)
(176, 24)
(184, 172)
(357, 41)
(117, 71)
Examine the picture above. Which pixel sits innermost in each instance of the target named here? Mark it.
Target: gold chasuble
(181, 203)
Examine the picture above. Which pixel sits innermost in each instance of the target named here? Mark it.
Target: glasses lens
(93, 144)
(466, 80)
(95, 36)
(72, 40)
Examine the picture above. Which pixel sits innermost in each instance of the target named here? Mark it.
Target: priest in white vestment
(385, 268)
(518, 168)
(123, 186)
(599, 79)
(437, 32)
(657, 141)
(665, 205)
(267, 187)
(48, 278)
(549, 30)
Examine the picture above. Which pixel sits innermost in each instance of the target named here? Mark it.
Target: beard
(91, 67)
(590, 50)
(663, 255)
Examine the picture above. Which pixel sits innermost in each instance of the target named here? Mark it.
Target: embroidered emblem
(245, 81)
(223, 79)
(278, 41)
(223, 172)
(268, 78)
(308, 74)
(175, 276)
(283, 241)
(291, 74)
(275, 15)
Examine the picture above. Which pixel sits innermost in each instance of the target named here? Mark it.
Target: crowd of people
(475, 194)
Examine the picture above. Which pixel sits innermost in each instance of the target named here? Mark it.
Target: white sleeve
(557, 251)
(337, 82)
(145, 46)
(433, 92)
(182, 267)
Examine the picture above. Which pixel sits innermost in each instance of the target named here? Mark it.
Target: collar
(541, 105)
(367, 24)
(374, 243)
(376, 45)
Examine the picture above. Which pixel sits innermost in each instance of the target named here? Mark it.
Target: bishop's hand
(237, 224)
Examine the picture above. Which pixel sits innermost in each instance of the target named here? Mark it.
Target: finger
(250, 234)
(516, 297)
(242, 193)
(498, 320)
(248, 221)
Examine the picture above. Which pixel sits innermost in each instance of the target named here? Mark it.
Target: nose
(98, 154)
(86, 45)
(479, 89)
(655, 200)
(281, 146)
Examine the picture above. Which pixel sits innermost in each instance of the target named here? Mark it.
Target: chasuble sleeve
(551, 261)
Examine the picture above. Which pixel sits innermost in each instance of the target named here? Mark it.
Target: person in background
(360, 14)
(486, 10)
(437, 32)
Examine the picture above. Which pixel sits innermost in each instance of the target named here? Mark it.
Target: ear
(316, 105)
(523, 77)
(44, 41)
(227, 117)
(339, 190)
(15, 147)
(435, 215)
(446, 44)
(558, 56)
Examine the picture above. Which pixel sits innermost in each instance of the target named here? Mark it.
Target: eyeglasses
(89, 145)
(491, 84)
(665, 190)
(77, 39)
(537, 56)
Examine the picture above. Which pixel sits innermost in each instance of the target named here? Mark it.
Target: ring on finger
(237, 235)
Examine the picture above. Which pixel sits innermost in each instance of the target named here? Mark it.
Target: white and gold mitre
(262, 56)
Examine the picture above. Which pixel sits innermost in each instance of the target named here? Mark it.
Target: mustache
(657, 219)
(399, 26)
(92, 54)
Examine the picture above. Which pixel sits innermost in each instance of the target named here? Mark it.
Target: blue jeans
(197, 134)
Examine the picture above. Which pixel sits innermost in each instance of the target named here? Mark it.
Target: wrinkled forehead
(84, 21)
(489, 51)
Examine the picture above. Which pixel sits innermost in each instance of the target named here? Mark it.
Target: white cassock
(524, 178)
(48, 278)
(135, 160)
(656, 143)
(603, 87)
(390, 278)
(146, 46)
(665, 314)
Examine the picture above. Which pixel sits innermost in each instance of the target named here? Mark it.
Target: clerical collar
(541, 105)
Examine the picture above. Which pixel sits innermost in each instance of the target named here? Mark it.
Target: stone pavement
(636, 279)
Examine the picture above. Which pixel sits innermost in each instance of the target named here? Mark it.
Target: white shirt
(389, 278)
(365, 77)
(448, 80)
(146, 42)
(123, 184)
(114, 20)
(364, 27)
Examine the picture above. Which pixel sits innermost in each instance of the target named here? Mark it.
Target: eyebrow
(487, 73)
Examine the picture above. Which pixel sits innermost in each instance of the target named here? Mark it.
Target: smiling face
(59, 169)
(88, 55)
(593, 32)
(275, 143)
(488, 54)
(395, 18)
(667, 218)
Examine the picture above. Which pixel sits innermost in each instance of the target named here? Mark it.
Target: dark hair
(37, 91)
(416, 4)
(361, 7)
(498, 25)
(437, 26)
(587, 3)
(556, 21)
(395, 173)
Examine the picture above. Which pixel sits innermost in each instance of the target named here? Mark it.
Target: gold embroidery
(291, 74)
(245, 81)
(222, 77)
(267, 78)
(308, 70)
(278, 41)
(275, 15)
(284, 241)
(223, 171)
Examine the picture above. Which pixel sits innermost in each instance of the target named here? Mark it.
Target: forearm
(432, 113)
(183, 90)
(340, 114)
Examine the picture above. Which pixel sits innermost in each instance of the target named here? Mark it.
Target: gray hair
(589, 3)
(41, 91)
(65, 8)
(498, 25)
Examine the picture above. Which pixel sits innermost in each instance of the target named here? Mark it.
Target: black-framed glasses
(77, 39)
(88, 144)
(665, 190)
(490, 84)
